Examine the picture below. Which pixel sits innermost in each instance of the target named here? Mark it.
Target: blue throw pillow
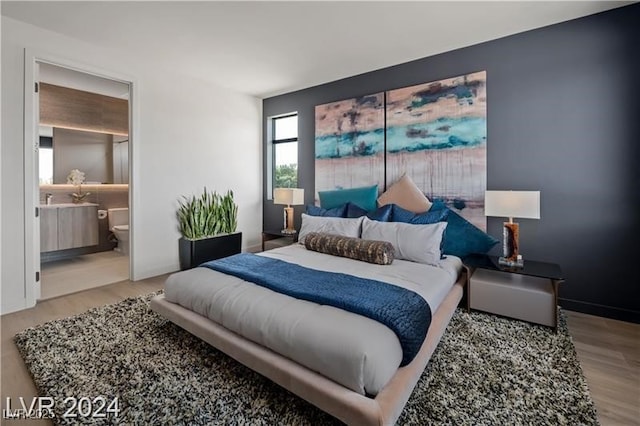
(402, 215)
(339, 211)
(364, 197)
(461, 237)
(437, 204)
(353, 211)
(381, 214)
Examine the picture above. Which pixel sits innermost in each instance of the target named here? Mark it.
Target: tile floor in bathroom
(82, 273)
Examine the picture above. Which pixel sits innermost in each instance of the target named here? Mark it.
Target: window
(45, 160)
(285, 151)
(45, 163)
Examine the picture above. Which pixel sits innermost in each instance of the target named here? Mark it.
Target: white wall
(191, 134)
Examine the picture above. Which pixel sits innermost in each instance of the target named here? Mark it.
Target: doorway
(79, 122)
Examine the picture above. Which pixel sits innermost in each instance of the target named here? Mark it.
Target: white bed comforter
(357, 352)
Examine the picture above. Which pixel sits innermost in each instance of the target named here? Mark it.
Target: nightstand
(284, 239)
(528, 293)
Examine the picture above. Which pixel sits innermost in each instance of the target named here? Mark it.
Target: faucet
(48, 197)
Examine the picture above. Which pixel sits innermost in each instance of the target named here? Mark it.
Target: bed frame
(342, 403)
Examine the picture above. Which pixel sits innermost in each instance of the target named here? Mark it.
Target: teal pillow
(462, 238)
(364, 197)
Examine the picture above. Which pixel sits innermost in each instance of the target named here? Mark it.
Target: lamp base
(510, 243)
(289, 228)
(518, 263)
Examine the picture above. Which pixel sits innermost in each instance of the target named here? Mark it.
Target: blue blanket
(403, 311)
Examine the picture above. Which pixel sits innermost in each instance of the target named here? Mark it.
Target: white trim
(31, 224)
(134, 174)
(32, 240)
(1, 175)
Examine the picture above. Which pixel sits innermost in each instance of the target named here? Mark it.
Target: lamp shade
(520, 204)
(288, 196)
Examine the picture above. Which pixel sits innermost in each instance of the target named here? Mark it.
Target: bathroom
(83, 181)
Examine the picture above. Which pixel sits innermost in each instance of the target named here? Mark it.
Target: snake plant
(207, 215)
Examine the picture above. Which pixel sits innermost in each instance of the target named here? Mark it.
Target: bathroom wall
(106, 196)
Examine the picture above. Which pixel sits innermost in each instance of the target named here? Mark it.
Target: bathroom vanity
(68, 226)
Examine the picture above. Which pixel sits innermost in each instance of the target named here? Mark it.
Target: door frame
(31, 172)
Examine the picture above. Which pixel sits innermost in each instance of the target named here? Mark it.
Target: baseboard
(601, 310)
(50, 256)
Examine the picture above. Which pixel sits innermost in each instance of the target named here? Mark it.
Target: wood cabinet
(66, 226)
(48, 229)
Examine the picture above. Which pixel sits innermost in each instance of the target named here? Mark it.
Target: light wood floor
(609, 353)
(609, 350)
(80, 273)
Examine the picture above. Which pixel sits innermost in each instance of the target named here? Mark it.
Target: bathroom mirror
(104, 158)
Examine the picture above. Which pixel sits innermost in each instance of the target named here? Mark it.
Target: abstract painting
(437, 134)
(349, 144)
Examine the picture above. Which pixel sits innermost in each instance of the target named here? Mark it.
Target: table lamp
(520, 204)
(289, 197)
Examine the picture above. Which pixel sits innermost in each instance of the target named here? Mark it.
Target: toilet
(119, 225)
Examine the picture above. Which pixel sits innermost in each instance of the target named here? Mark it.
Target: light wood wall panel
(76, 109)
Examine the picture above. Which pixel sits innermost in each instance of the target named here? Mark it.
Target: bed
(299, 349)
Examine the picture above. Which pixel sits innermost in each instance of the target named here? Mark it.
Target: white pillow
(330, 225)
(418, 243)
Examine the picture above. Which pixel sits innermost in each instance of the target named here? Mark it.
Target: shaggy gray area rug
(486, 371)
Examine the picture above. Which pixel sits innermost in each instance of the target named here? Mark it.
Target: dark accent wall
(563, 118)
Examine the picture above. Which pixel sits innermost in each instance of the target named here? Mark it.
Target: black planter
(195, 252)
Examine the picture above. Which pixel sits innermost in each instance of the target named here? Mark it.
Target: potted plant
(208, 225)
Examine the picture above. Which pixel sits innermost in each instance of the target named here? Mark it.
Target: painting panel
(349, 143)
(437, 134)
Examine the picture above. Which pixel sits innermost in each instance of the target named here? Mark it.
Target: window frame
(271, 151)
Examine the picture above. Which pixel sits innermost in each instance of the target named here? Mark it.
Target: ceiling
(266, 48)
